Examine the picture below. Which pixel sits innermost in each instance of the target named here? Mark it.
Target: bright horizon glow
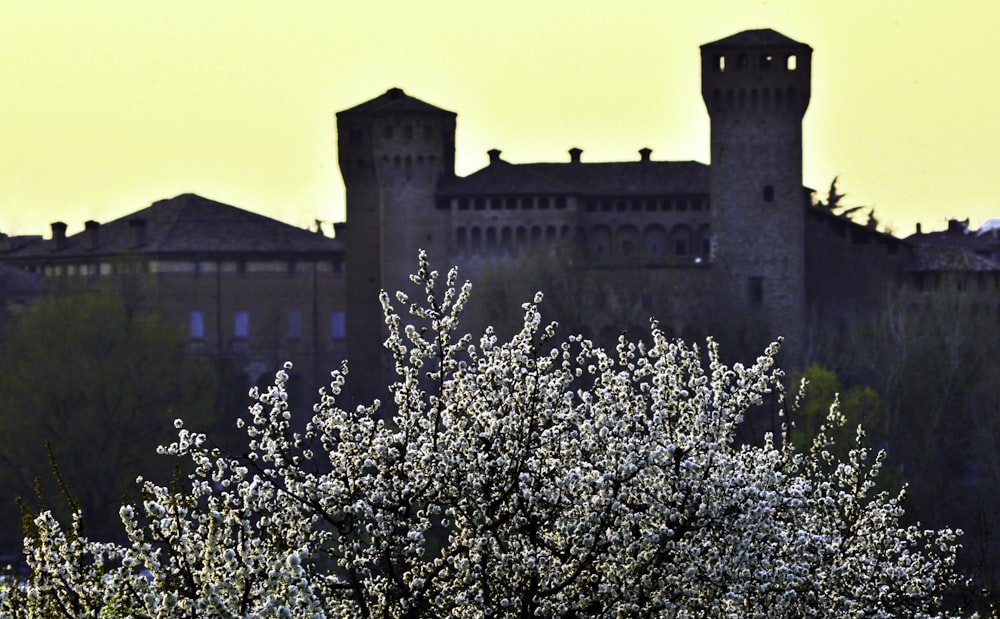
(110, 106)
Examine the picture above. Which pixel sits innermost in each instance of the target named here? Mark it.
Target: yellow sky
(111, 105)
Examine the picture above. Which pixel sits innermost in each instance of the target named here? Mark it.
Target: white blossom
(517, 478)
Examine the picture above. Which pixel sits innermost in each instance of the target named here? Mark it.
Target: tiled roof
(188, 224)
(638, 178)
(394, 100)
(951, 258)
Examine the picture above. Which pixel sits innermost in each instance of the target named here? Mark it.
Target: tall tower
(756, 87)
(393, 151)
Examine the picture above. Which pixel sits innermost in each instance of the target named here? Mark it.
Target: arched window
(477, 240)
(680, 238)
(628, 241)
(654, 238)
(599, 242)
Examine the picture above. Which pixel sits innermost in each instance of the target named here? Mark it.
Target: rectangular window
(196, 325)
(768, 193)
(241, 325)
(294, 331)
(338, 326)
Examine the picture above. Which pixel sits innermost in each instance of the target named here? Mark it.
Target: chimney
(137, 232)
(93, 230)
(59, 234)
(494, 154)
(919, 230)
(644, 154)
(574, 154)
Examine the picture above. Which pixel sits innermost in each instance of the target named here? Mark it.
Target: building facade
(243, 287)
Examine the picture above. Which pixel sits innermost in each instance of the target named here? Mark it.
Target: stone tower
(756, 87)
(393, 151)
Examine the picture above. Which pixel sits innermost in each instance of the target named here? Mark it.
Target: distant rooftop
(619, 178)
(186, 224)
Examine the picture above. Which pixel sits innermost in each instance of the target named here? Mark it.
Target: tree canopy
(99, 383)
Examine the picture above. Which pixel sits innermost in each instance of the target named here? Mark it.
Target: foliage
(100, 384)
(834, 205)
(859, 406)
(931, 356)
(526, 477)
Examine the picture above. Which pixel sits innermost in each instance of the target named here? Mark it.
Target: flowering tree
(523, 478)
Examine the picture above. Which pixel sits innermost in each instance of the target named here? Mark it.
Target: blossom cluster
(527, 477)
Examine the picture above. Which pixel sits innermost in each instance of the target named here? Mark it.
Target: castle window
(495, 202)
(505, 240)
(768, 193)
(681, 241)
(294, 331)
(463, 204)
(590, 205)
(560, 201)
(742, 62)
(480, 203)
(655, 239)
(682, 205)
(491, 239)
(766, 60)
(720, 63)
(460, 238)
(550, 234)
(756, 290)
(791, 63)
(241, 325)
(543, 202)
(338, 326)
(510, 202)
(477, 239)
(407, 132)
(522, 236)
(196, 325)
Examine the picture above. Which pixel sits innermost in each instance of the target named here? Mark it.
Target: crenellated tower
(393, 152)
(756, 86)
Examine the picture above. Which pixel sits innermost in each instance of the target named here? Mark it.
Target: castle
(732, 247)
(736, 248)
